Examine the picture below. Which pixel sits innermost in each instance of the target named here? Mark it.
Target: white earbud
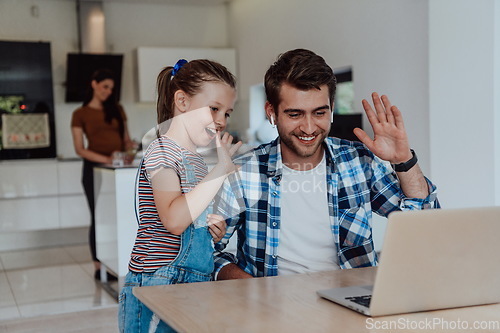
(331, 117)
(271, 119)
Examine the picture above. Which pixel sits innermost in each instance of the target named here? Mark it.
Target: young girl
(174, 239)
(103, 122)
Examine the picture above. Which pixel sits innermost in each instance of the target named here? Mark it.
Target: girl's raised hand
(227, 140)
(225, 150)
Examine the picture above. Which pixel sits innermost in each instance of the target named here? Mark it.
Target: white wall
(464, 68)
(128, 25)
(385, 41)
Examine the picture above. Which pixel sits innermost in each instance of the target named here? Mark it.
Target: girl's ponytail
(164, 101)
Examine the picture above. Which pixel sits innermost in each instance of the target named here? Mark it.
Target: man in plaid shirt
(304, 202)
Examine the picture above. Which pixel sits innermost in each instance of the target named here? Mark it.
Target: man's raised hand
(390, 140)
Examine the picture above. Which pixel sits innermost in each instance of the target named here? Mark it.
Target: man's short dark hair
(300, 68)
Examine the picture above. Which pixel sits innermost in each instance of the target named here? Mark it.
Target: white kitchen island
(116, 222)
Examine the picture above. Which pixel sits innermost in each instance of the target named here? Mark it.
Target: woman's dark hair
(189, 78)
(112, 110)
(302, 69)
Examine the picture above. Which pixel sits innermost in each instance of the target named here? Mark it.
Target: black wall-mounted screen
(344, 94)
(344, 124)
(27, 125)
(81, 66)
(345, 118)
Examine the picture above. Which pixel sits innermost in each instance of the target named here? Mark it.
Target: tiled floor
(100, 320)
(49, 281)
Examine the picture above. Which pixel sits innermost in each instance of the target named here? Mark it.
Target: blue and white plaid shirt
(358, 183)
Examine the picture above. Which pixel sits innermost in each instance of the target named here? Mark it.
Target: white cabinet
(41, 194)
(73, 211)
(73, 208)
(28, 195)
(151, 60)
(28, 179)
(28, 214)
(69, 177)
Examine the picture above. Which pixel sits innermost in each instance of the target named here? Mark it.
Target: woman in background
(102, 121)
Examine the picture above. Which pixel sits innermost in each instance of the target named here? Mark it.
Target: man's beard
(302, 150)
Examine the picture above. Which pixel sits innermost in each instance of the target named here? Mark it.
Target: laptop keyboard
(361, 300)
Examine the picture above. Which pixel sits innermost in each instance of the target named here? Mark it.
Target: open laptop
(431, 259)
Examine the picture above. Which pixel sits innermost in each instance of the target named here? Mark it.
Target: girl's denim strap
(201, 221)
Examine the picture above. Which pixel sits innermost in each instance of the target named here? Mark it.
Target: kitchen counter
(116, 222)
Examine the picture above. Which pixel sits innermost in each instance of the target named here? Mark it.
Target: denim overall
(194, 263)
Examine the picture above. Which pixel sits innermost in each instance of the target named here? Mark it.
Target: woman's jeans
(194, 263)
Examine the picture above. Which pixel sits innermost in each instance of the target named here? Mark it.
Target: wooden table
(290, 304)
